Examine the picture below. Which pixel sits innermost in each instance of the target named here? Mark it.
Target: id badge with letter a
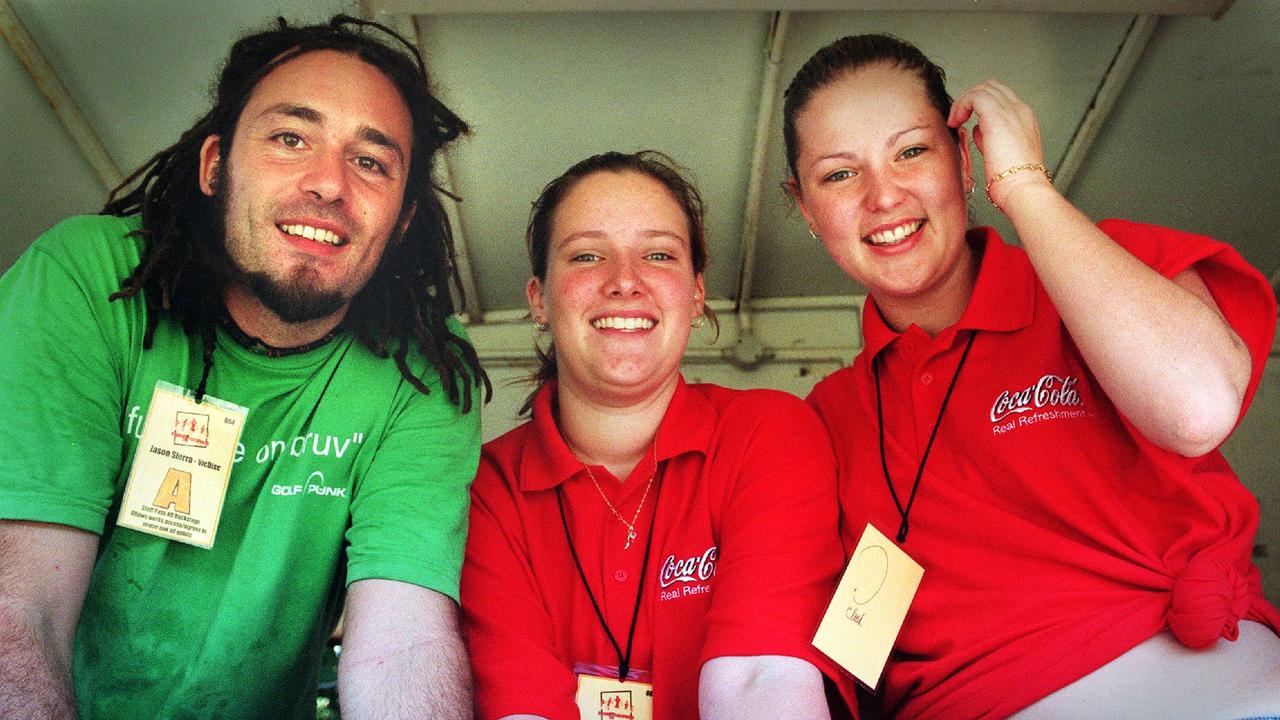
(182, 466)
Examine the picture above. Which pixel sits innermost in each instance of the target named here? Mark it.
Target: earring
(698, 321)
(814, 235)
(541, 326)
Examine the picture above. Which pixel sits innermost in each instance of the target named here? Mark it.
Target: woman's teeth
(894, 236)
(621, 323)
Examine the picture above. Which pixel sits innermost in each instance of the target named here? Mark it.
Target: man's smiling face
(313, 186)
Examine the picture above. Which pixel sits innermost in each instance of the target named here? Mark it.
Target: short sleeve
(1243, 295)
(409, 509)
(61, 444)
(505, 622)
(779, 545)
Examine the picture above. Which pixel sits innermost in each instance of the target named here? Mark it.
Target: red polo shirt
(1054, 537)
(745, 551)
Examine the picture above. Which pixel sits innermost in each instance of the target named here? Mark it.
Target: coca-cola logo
(697, 568)
(1049, 390)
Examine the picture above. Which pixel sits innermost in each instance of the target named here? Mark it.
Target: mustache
(334, 214)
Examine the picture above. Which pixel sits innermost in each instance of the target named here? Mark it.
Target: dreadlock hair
(651, 163)
(847, 55)
(183, 269)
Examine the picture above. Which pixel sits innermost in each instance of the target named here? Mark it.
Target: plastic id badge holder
(182, 466)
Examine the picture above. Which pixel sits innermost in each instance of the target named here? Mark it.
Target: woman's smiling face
(881, 180)
(620, 288)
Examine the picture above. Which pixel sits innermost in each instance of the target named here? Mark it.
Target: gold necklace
(631, 526)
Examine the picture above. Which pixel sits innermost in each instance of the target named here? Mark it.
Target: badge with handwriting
(602, 696)
(870, 604)
(181, 467)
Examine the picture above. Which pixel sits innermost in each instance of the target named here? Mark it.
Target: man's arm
(761, 686)
(402, 654)
(44, 572)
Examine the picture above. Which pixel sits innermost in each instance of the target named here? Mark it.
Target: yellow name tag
(869, 606)
(180, 470)
(608, 698)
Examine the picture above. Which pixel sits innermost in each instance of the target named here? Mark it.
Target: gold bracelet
(1011, 171)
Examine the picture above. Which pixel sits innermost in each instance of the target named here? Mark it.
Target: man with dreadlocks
(243, 401)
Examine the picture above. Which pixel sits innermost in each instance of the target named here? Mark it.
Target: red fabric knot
(1209, 598)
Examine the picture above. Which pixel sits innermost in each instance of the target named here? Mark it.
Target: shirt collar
(546, 460)
(1003, 298)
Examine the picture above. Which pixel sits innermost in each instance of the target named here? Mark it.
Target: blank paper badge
(870, 604)
(181, 467)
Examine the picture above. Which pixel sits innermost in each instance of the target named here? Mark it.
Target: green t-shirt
(338, 453)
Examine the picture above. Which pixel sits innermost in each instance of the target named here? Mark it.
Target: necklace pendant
(631, 535)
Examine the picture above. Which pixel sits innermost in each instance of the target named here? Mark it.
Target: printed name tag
(181, 467)
(869, 606)
(602, 696)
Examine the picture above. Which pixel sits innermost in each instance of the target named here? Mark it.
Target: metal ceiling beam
(1213, 8)
(1109, 91)
(55, 93)
(747, 351)
(759, 156)
(407, 26)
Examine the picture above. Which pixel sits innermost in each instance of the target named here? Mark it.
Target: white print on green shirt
(297, 446)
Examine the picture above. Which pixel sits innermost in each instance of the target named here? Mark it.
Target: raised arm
(1159, 346)
(44, 572)
(402, 654)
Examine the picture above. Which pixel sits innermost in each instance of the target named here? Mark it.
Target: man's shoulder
(93, 241)
(419, 365)
(81, 230)
(87, 255)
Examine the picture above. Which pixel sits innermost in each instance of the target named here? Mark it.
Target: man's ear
(406, 217)
(210, 160)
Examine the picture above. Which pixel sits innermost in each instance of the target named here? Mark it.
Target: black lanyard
(884, 463)
(624, 661)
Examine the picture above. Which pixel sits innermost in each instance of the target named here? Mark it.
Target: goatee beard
(292, 302)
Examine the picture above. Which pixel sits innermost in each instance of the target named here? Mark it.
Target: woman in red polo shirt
(1036, 426)
(642, 545)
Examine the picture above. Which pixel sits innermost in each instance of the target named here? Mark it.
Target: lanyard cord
(624, 661)
(209, 338)
(209, 334)
(884, 462)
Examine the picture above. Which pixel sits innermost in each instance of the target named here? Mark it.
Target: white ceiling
(1193, 140)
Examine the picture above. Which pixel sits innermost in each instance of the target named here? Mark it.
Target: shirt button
(926, 378)
(620, 575)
